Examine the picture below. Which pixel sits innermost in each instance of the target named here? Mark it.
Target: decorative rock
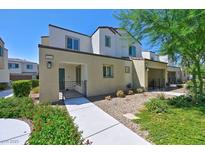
(130, 116)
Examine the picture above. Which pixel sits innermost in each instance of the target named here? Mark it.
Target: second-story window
(132, 51)
(29, 66)
(107, 41)
(1, 51)
(13, 66)
(73, 43)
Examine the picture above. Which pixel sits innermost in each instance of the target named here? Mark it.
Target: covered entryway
(72, 80)
(156, 78)
(172, 77)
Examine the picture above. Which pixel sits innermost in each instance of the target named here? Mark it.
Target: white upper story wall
(150, 55)
(58, 38)
(120, 41)
(19, 66)
(156, 57)
(167, 59)
(119, 44)
(95, 39)
(125, 41)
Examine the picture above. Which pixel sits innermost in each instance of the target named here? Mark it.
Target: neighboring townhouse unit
(4, 72)
(110, 59)
(175, 73)
(22, 69)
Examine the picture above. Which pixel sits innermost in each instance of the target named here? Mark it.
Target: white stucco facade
(57, 38)
(96, 42)
(23, 67)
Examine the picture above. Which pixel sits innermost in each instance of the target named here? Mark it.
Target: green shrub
(14, 107)
(3, 86)
(108, 98)
(181, 101)
(157, 106)
(21, 88)
(130, 92)
(53, 125)
(35, 90)
(35, 83)
(139, 90)
(120, 93)
(161, 96)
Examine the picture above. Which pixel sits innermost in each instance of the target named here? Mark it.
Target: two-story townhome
(96, 64)
(4, 73)
(20, 69)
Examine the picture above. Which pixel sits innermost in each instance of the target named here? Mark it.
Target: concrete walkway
(169, 93)
(6, 93)
(99, 127)
(13, 132)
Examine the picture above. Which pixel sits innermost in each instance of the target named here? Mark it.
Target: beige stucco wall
(93, 72)
(45, 40)
(139, 79)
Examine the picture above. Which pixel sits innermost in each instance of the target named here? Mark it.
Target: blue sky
(21, 29)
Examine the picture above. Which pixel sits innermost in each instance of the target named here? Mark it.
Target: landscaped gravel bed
(117, 107)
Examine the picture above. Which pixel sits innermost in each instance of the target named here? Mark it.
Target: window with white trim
(13, 66)
(73, 43)
(107, 71)
(29, 66)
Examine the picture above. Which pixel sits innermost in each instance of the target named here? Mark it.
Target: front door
(61, 79)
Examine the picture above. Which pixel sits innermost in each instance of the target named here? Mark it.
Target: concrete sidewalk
(13, 132)
(99, 127)
(6, 93)
(169, 93)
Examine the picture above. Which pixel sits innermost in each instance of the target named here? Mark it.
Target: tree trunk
(201, 83)
(195, 89)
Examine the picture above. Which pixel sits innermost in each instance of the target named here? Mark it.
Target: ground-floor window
(78, 75)
(107, 71)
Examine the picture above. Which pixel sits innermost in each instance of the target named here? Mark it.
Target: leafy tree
(178, 32)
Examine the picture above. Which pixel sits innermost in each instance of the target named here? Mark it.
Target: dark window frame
(73, 41)
(1, 51)
(131, 52)
(29, 66)
(107, 41)
(108, 71)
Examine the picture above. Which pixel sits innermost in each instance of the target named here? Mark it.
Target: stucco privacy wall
(138, 75)
(96, 84)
